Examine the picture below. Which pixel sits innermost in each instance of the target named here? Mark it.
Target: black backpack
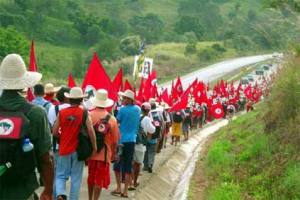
(142, 135)
(102, 128)
(157, 122)
(177, 117)
(14, 128)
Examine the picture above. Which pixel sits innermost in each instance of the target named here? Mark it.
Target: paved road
(218, 70)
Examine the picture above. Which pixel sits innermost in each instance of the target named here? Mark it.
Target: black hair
(60, 95)
(145, 111)
(39, 90)
(153, 106)
(75, 101)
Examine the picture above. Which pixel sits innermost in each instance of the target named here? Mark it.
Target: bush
(218, 48)
(190, 48)
(130, 45)
(208, 54)
(12, 41)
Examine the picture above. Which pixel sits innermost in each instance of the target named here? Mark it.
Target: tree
(11, 41)
(149, 27)
(130, 45)
(189, 24)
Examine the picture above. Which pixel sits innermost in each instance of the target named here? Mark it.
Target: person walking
(107, 134)
(39, 92)
(67, 127)
(20, 181)
(129, 120)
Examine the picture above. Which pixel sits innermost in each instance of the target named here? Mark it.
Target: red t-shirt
(70, 120)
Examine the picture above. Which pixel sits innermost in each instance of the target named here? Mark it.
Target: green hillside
(68, 32)
(257, 155)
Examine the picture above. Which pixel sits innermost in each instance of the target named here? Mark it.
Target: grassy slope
(257, 155)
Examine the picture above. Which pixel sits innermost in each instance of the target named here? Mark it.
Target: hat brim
(73, 97)
(102, 104)
(55, 90)
(29, 79)
(124, 95)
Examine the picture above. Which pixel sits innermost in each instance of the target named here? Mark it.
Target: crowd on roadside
(125, 135)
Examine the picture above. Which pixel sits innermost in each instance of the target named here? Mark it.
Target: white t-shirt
(52, 115)
(147, 125)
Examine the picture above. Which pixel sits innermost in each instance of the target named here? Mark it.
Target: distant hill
(67, 32)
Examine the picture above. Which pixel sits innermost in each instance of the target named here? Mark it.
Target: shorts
(98, 173)
(139, 153)
(176, 129)
(124, 164)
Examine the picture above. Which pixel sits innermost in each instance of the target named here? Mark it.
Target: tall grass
(257, 155)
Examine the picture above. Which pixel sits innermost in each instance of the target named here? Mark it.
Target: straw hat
(49, 88)
(128, 93)
(75, 93)
(165, 105)
(152, 101)
(101, 99)
(146, 106)
(14, 76)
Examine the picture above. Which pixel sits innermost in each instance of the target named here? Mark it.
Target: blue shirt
(40, 101)
(129, 119)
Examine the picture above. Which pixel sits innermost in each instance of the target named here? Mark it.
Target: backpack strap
(45, 104)
(56, 107)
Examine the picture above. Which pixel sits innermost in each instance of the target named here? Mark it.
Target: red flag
(140, 97)
(118, 81)
(182, 102)
(178, 87)
(248, 92)
(127, 86)
(32, 61)
(97, 77)
(71, 82)
(165, 97)
(32, 68)
(217, 111)
(148, 85)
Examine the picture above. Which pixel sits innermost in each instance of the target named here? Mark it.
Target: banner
(142, 66)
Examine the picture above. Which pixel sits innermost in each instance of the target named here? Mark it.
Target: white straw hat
(49, 88)
(75, 93)
(128, 93)
(13, 74)
(101, 99)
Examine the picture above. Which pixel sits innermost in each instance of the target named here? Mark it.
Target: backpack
(102, 128)
(157, 122)
(177, 117)
(142, 135)
(55, 139)
(14, 128)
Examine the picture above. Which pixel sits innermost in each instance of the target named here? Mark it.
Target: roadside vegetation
(257, 155)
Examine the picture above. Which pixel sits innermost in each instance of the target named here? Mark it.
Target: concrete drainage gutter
(172, 179)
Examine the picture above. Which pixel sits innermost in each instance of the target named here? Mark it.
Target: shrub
(190, 48)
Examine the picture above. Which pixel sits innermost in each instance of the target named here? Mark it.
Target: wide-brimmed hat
(146, 106)
(101, 99)
(49, 88)
(128, 93)
(75, 93)
(165, 105)
(152, 101)
(14, 76)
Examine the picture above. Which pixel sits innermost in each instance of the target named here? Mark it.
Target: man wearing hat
(67, 127)
(13, 79)
(50, 92)
(129, 120)
(106, 124)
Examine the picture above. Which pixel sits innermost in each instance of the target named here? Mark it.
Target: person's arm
(47, 173)
(55, 129)
(91, 132)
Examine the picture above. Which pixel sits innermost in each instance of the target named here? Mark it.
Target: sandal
(131, 189)
(115, 193)
(124, 195)
(136, 185)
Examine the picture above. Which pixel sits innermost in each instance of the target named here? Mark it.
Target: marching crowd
(125, 135)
